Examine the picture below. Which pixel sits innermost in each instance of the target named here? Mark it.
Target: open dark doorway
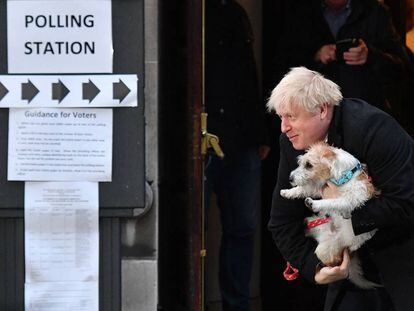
(180, 155)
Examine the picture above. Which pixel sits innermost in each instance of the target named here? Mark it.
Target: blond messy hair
(306, 88)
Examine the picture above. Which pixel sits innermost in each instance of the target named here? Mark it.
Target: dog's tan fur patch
(321, 172)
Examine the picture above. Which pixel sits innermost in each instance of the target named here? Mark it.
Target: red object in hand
(290, 272)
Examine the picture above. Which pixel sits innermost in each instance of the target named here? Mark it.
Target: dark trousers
(236, 182)
(343, 296)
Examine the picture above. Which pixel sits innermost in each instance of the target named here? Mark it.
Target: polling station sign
(59, 36)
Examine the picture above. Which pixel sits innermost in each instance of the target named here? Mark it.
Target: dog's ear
(329, 153)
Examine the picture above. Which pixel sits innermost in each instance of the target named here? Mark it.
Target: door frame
(180, 167)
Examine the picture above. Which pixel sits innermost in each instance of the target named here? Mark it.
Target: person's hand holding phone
(326, 54)
(357, 55)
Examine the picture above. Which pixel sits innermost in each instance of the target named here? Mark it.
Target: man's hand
(357, 55)
(328, 275)
(326, 54)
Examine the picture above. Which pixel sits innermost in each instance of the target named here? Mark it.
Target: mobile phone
(343, 46)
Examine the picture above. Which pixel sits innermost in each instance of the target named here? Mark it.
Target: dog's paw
(285, 193)
(313, 205)
(309, 202)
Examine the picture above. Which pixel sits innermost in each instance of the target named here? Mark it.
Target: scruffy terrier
(318, 166)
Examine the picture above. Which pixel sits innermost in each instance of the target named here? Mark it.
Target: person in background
(312, 109)
(352, 42)
(236, 115)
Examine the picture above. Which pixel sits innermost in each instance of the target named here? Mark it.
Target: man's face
(336, 4)
(302, 127)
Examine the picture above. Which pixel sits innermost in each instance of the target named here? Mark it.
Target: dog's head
(319, 164)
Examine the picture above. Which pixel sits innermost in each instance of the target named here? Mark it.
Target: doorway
(180, 165)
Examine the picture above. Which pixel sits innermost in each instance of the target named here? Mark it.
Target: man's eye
(308, 165)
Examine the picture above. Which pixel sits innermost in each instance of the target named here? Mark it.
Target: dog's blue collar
(346, 176)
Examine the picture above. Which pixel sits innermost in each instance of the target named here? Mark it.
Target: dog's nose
(290, 178)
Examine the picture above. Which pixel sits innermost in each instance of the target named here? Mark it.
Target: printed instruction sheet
(61, 246)
(62, 296)
(61, 231)
(51, 144)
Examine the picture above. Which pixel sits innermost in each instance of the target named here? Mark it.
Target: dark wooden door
(180, 217)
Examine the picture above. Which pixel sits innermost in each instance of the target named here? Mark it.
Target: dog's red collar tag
(317, 222)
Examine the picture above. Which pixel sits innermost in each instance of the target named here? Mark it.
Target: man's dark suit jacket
(376, 139)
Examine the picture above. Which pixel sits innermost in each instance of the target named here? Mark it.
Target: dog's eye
(308, 165)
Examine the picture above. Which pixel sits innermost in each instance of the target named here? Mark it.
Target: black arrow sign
(59, 91)
(3, 91)
(120, 90)
(89, 91)
(29, 91)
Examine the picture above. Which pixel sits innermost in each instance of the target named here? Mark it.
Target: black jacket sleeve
(287, 221)
(389, 153)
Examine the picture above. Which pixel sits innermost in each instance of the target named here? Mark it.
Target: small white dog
(318, 166)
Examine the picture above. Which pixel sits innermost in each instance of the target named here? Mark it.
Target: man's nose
(284, 126)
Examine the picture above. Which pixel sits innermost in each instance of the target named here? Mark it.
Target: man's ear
(323, 110)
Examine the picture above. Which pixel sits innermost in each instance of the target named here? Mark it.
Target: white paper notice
(59, 36)
(61, 231)
(51, 144)
(64, 91)
(62, 296)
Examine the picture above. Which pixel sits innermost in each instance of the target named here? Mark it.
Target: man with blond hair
(311, 109)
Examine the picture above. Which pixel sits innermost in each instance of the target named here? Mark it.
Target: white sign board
(52, 144)
(59, 36)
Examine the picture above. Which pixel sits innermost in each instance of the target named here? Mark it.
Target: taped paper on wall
(53, 144)
(61, 246)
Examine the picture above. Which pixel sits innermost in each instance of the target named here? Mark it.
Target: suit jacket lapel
(356, 12)
(322, 27)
